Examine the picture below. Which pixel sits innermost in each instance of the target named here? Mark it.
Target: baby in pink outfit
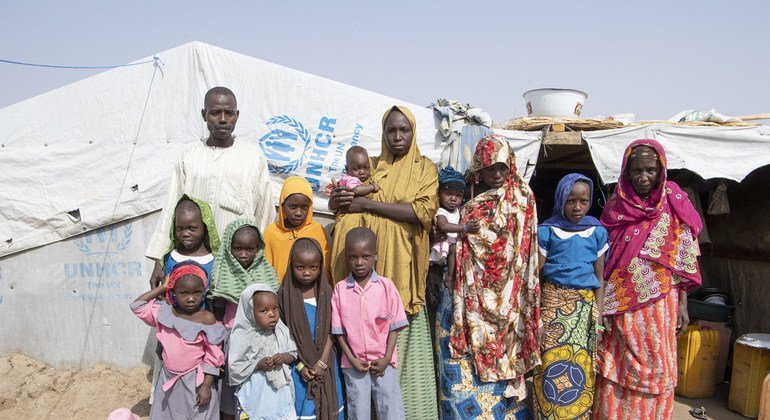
(357, 173)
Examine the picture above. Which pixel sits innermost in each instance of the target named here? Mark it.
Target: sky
(654, 60)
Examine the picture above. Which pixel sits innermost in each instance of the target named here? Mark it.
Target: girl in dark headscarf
(572, 248)
(305, 301)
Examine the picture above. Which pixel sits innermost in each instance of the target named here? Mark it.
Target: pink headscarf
(630, 220)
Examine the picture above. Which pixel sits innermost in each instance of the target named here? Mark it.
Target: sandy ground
(716, 406)
(31, 389)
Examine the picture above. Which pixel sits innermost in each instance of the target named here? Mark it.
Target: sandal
(699, 413)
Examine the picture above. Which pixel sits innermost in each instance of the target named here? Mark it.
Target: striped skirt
(564, 383)
(416, 373)
(636, 370)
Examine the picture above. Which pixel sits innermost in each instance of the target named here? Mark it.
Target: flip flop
(699, 413)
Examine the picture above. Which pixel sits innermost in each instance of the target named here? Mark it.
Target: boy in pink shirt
(367, 314)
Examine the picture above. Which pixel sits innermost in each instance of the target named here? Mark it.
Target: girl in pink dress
(190, 337)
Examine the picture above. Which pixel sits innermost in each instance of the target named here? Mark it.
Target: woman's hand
(683, 318)
(340, 198)
(356, 205)
(605, 321)
(436, 234)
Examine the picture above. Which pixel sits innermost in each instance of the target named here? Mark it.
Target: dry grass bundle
(576, 124)
(593, 124)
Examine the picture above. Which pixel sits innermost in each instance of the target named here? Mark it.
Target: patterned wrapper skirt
(564, 383)
(637, 372)
(462, 395)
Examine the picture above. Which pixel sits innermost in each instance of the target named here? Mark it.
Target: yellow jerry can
(697, 353)
(751, 362)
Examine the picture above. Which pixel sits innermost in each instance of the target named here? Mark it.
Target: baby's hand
(360, 365)
(378, 366)
(472, 226)
(376, 187)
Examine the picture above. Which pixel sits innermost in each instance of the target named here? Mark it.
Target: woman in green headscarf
(401, 214)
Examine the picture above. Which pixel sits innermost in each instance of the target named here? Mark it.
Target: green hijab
(228, 278)
(212, 236)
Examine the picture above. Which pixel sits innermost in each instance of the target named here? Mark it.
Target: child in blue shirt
(572, 250)
(193, 236)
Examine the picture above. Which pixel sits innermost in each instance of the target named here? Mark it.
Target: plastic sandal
(699, 413)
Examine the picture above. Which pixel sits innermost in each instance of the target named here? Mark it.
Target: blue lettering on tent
(299, 152)
(327, 124)
(102, 270)
(315, 164)
(356, 134)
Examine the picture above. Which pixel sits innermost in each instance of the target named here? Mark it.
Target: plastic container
(751, 362)
(764, 400)
(725, 336)
(698, 309)
(697, 353)
(710, 304)
(552, 102)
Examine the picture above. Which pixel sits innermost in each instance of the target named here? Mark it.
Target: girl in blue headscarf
(572, 248)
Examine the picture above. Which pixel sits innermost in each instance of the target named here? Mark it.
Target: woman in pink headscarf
(652, 264)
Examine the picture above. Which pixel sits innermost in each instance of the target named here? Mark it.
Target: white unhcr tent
(95, 157)
(86, 169)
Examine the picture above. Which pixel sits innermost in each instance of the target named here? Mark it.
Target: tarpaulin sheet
(711, 152)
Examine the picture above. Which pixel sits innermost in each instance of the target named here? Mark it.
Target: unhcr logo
(105, 241)
(285, 150)
(105, 253)
(291, 149)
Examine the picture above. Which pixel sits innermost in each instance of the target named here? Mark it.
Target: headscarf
(249, 343)
(496, 315)
(182, 269)
(228, 277)
(279, 237)
(207, 216)
(630, 222)
(563, 190)
(450, 179)
(323, 392)
(403, 248)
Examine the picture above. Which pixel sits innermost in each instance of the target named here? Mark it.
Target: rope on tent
(114, 210)
(155, 59)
